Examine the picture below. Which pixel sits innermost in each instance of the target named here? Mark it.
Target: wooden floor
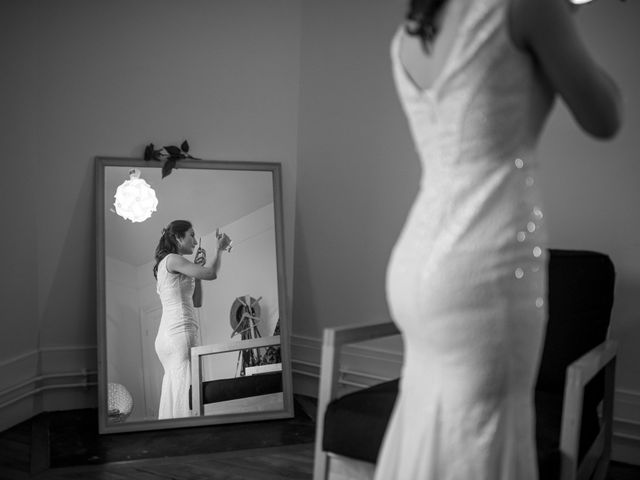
(274, 463)
(66, 445)
(26, 453)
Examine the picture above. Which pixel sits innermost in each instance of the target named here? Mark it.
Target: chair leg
(601, 469)
(326, 392)
(320, 464)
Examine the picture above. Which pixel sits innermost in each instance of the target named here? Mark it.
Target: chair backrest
(580, 299)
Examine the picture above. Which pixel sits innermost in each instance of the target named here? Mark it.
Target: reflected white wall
(250, 269)
(134, 309)
(123, 331)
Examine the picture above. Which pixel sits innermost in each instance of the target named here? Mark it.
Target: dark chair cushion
(355, 423)
(240, 387)
(580, 300)
(581, 286)
(369, 411)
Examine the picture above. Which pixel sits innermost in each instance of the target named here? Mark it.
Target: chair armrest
(579, 373)
(201, 351)
(338, 336)
(333, 340)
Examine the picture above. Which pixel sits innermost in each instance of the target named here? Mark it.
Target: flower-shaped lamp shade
(135, 199)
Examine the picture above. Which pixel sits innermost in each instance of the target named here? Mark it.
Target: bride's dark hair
(421, 20)
(168, 243)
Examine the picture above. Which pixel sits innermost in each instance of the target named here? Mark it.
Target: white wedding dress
(178, 332)
(467, 278)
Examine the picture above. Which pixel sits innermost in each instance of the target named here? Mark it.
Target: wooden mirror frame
(102, 210)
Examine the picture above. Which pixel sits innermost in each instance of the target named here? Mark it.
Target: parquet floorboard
(274, 463)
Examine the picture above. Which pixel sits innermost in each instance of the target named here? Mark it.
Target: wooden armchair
(248, 393)
(574, 392)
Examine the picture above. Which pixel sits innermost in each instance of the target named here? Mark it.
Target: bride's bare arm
(546, 28)
(208, 271)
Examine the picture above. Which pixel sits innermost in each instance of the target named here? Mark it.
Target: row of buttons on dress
(521, 236)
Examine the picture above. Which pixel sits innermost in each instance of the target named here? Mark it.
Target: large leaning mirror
(220, 356)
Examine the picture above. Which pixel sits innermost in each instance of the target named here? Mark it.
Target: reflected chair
(261, 391)
(573, 393)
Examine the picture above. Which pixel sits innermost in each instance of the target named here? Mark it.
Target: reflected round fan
(243, 310)
(120, 402)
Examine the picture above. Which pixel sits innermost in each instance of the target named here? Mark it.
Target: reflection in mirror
(214, 316)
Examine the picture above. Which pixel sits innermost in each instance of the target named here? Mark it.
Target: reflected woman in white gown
(180, 291)
(466, 283)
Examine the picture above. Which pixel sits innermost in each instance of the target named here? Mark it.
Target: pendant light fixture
(135, 199)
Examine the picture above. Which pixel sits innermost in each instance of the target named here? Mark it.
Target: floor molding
(361, 366)
(45, 379)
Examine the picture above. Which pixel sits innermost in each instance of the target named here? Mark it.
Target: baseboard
(47, 379)
(365, 366)
(361, 366)
(626, 427)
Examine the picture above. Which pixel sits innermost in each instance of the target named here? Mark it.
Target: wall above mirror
(154, 341)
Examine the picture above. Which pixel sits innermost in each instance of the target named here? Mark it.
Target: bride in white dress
(179, 288)
(466, 281)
